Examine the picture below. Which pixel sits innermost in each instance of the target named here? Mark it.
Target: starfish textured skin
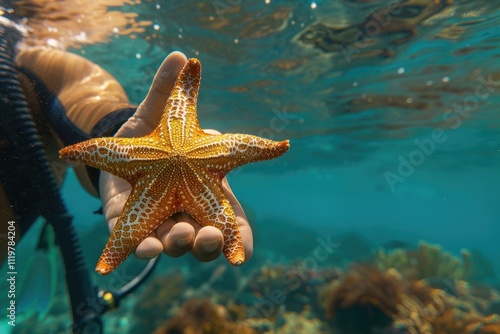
(176, 168)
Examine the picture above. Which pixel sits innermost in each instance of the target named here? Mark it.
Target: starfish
(176, 168)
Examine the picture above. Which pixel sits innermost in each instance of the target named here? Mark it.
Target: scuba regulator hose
(38, 192)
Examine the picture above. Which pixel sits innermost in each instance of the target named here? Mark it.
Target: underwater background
(391, 108)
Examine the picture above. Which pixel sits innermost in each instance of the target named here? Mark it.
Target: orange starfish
(176, 168)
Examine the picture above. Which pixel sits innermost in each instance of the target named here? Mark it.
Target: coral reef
(200, 316)
(304, 322)
(428, 261)
(295, 285)
(415, 291)
(290, 323)
(443, 315)
(154, 303)
(364, 299)
(368, 300)
(413, 315)
(411, 291)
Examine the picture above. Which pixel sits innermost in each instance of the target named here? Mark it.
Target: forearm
(77, 98)
(86, 91)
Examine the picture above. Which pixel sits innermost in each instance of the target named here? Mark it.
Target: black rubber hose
(136, 281)
(109, 303)
(37, 192)
(41, 188)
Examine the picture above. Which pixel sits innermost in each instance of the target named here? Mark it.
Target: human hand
(179, 233)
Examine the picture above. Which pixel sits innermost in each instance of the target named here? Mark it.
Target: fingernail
(183, 242)
(210, 246)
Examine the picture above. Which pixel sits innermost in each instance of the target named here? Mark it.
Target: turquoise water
(349, 119)
(394, 135)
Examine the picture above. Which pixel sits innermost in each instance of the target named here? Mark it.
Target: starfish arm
(205, 201)
(177, 167)
(149, 204)
(222, 153)
(179, 122)
(112, 154)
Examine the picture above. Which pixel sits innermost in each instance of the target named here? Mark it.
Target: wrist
(107, 127)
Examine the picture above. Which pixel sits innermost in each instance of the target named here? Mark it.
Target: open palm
(179, 233)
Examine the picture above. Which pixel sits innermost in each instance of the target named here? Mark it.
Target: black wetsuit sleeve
(55, 114)
(109, 124)
(107, 127)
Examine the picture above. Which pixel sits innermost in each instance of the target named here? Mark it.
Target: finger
(211, 131)
(208, 244)
(151, 108)
(241, 220)
(114, 193)
(149, 248)
(179, 217)
(177, 238)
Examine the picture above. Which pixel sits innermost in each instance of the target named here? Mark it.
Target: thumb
(151, 109)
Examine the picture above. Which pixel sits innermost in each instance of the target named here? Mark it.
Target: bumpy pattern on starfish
(176, 168)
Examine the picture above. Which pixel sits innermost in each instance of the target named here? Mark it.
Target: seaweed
(427, 261)
(154, 303)
(304, 322)
(293, 285)
(443, 314)
(201, 316)
(366, 298)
